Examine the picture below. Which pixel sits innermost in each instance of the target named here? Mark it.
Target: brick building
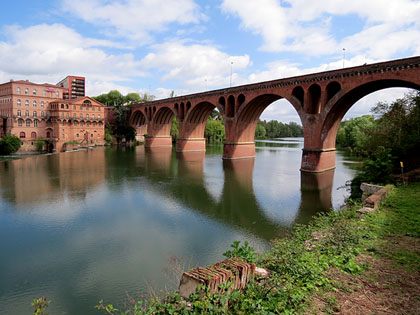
(30, 111)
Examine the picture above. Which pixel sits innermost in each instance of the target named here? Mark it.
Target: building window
(62, 123)
(88, 124)
(81, 124)
(75, 123)
(77, 135)
(34, 92)
(67, 106)
(62, 115)
(93, 116)
(74, 107)
(19, 113)
(28, 123)
(63, 135)
(26, 103)
(62, 106)
(81, 115)
(18, 90)
(87, 116)
(57, 94)
(100, 124)
(26, 113)
(42, 114)
(36, 123)
(81, 108)
(42, 103)
(44, 93)
(91, 135)
(18, 102)
(99, 116)
(34, 103)
(68, 115)
(34, 113)
(20, 122)
(26, 91)
(33, 135)
(22, 135)
(94, 123)
(74, 115)
(48, 134)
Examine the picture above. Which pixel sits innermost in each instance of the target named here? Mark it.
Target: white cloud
(305, 26)
(196, 65)
(47, 53)
(134, 19)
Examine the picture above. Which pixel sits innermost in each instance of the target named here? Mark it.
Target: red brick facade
(33, 111)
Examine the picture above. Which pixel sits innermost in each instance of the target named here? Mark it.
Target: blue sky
(156, 46)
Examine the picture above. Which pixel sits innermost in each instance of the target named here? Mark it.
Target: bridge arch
(249, 114)
(139, 122)
(195, 121)
(346, 99)
(161, 122)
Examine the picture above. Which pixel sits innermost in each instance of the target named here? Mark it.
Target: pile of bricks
(233, 270)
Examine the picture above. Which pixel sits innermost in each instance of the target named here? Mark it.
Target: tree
(9, 144)
(260, 131)
(132, 98)
(121, 128)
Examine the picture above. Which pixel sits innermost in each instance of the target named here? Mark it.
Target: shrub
(9, 144)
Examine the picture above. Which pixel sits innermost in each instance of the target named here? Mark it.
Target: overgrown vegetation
(384, 142)
(40, 144)
(299, 264)
(9, 144)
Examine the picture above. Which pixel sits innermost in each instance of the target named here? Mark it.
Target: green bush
(9, 144)
(40, 144)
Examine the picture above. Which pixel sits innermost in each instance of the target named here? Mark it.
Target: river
(106, 223)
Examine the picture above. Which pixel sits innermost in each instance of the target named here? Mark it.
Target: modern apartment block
(73, 87)
(32, 111)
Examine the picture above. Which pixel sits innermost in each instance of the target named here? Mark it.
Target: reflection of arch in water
(316, 189)
(158, 160)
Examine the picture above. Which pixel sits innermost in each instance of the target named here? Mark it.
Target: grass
(319, 262)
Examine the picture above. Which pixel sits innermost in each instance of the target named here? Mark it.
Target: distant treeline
(276, 129)
(215, 129)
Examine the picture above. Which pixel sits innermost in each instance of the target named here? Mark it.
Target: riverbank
(342, 262)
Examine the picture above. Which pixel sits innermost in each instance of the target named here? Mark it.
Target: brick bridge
(320, 99)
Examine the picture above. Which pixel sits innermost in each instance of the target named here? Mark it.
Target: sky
(187, 46)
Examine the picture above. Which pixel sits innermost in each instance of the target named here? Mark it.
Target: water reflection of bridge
(179, 176)
(237, 205)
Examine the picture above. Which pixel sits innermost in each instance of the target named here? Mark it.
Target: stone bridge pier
(321, 100)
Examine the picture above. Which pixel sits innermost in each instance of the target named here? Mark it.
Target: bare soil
(384, 288)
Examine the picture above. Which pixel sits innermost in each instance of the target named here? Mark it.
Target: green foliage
(214, 131)
(174, 129)
(246, 252)
(40, 144)
(396, 128)
(9, 144)
(276, 129)
(40, 305)
(260, 131)
(108, 134)
(121, 128)
(355, 133)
